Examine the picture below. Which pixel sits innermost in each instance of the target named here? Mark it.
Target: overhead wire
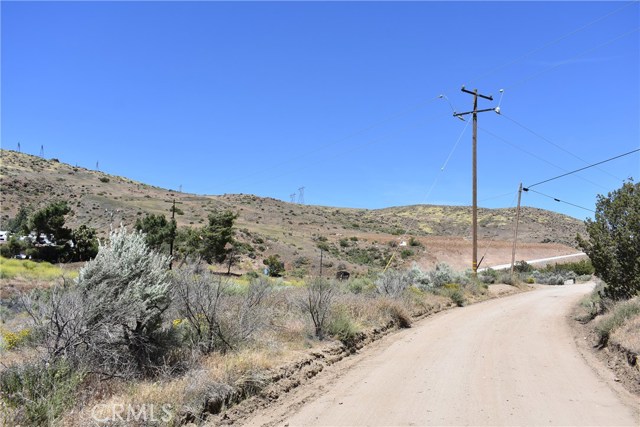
(428, 194)
(526, 189)
(510, 193)
(554, 41)
(416, 106)
(554, 144)
(360, 146)
(513, 201)
(323, 147)
(533, 76)
(499, 138)
(586, 167)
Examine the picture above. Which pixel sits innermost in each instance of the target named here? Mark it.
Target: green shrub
(488, 276)
(37, 394)
(458, 297)
(613, 320)
(360, 285)
(580, 268)
(414, 242)
(508, 279)
(406, 253)
(523, 267)
(342, 327)
(104, 179)
(592, 305)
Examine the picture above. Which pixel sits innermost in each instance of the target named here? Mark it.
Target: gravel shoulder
(507, 361)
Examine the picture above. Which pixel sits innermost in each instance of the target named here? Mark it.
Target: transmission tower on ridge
(292, 196)
(42, 151)
(301, 195)
(19, 151)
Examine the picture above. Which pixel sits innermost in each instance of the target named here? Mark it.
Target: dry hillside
(359, 239)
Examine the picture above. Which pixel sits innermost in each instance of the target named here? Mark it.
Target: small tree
(48, 224)
(614, 241)
(20, 223)
(12, 248)
(276, 267)
(159, 232)
(217, 235)
(49, 221)
(85, 243)
(318, 303)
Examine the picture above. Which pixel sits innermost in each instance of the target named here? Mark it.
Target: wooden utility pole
(475, 111)
(173, 233)
(515, 230)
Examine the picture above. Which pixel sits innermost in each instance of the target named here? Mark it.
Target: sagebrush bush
(112, 318)
(393, 283)
(553, 277)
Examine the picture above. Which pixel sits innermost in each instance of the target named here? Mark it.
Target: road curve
(536, 261)
(504, 362)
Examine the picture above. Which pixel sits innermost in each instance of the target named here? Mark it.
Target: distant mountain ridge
(358, 238)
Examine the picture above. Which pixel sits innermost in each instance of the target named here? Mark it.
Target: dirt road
(510, 361)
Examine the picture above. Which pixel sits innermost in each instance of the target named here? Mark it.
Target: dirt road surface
(505, 362)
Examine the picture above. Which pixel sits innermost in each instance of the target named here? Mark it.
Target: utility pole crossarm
(475, 92)
(471, 112)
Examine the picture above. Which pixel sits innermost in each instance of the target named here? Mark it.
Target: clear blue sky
(341, 98)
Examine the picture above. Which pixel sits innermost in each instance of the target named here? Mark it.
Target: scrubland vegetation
(128, 329)
(613, 245)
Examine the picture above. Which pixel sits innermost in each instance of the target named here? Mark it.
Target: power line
(556, 145)
(552, 42)
(586, 167)
(557, 200)
(499, 138)
(498, 196)
(433, 185)
(526, 79)
(336, 154)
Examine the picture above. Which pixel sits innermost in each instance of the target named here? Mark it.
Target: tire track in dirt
(508, 361)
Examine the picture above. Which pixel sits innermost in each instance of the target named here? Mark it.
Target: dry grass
(246, 368)
(628, 335)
